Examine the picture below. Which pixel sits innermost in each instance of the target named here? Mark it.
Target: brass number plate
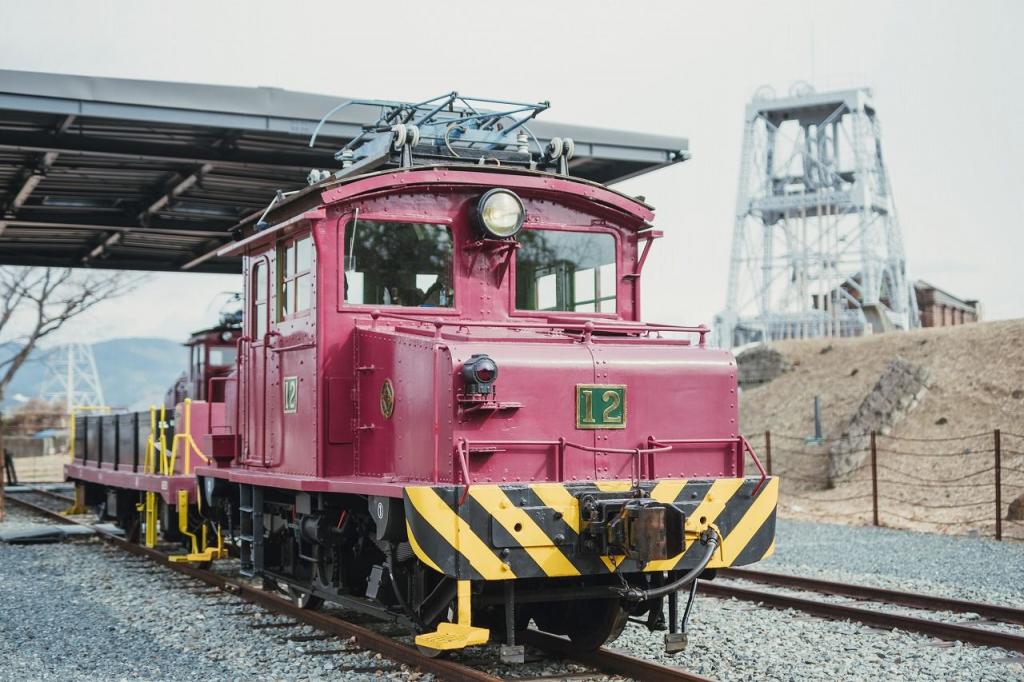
(600, 406)
(291, 394)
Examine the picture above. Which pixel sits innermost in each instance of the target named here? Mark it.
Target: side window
(259, 299)
(566, 271)
(221, 356)
(393, 263)
(295, 276)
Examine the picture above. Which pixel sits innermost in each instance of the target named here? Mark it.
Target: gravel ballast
(738, 640)
(84, 611)
(977, 569)
(81, 610)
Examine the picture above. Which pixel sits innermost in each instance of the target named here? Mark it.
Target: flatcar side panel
(81, 431)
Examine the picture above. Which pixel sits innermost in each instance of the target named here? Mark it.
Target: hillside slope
(977, 381)
(936, 466)
(135, 372)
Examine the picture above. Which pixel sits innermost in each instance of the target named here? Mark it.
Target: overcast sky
(946, 77)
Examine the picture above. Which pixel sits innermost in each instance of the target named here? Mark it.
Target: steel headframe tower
(72, 379)
(817, 248)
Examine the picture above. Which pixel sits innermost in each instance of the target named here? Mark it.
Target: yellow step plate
(453, 636)
(201, 557)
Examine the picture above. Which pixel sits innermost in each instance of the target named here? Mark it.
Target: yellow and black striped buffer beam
(503, 532)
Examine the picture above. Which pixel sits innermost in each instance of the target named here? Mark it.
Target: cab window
(222, 355)
(558, 270)
(396, 263)
(295, 276)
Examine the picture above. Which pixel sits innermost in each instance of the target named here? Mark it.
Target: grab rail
(464, 446)
(585, 326)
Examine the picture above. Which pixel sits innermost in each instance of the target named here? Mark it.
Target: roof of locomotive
(332, 191)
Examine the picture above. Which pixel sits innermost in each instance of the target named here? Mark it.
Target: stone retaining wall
(897, 391)
(759, 365)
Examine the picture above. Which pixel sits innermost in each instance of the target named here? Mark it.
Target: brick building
(942, 309)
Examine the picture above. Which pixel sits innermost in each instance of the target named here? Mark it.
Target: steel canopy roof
(150, 175)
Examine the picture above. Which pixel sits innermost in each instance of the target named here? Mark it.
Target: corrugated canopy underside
(146, 175)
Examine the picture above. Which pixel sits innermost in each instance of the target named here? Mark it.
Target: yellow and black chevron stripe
(503, 532)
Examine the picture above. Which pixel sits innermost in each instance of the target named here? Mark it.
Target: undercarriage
(354, 551)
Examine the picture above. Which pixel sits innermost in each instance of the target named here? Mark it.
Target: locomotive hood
(557, 406)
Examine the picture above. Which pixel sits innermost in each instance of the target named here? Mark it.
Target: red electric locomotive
(212, 354)
(446, 410)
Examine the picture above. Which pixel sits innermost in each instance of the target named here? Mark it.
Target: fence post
(874, 478)
(768, 449)
(997, 438)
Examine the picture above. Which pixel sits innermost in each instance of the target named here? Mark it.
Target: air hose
(413, 616)
(636, 594)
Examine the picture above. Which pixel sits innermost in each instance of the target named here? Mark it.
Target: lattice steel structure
(72, 379)
(817, 248)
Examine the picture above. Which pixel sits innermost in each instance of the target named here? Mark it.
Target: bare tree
(36, 302)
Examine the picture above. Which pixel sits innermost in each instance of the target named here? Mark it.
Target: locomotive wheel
(594, 623)
(589, 624)
(432, 653)
(303, 598)
(447, 616)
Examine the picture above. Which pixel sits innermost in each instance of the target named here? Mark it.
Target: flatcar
(446, 410)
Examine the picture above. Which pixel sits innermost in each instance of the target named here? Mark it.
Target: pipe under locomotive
(446, 411)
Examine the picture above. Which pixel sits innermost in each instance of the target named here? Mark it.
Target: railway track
(45, 492)
(876, 618)
(605, 663)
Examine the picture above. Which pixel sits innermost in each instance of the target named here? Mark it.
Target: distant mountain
(135, 372)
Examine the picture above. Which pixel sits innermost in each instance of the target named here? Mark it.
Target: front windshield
(559, 270)
(394, 263)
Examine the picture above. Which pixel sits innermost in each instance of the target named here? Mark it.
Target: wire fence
(903, 480)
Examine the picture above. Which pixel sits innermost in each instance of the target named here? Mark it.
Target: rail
(1007, 614)
(601, 659)
(876, 618)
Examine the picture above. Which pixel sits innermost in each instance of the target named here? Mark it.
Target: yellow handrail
(163, 440)
(149, 466)
(189, 441)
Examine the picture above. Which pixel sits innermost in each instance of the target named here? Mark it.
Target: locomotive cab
(211, 358)
(447, 411)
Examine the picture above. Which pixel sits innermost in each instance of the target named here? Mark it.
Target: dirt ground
(935, 468)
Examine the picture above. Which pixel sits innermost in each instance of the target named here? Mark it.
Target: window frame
(258, 263)
(515, 311)
(455, 234)
(282, 278)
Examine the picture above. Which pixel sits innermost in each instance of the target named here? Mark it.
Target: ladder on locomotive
(250, 530)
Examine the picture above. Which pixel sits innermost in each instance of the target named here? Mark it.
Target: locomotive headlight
(479, 373)
(500, 214)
